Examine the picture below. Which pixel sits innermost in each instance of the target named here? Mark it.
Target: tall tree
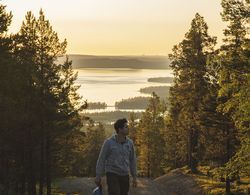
(95, 136)
(40, 45)
(54, 103)
(149, 138)
(132, 126)
(234, 80)
(188, 61)
(5, 97)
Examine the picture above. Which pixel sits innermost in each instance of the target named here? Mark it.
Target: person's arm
(132, 164)
(100, 165)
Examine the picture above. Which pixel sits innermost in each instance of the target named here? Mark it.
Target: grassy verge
(214, 186)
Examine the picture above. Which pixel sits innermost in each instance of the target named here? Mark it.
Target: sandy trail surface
(173, 183)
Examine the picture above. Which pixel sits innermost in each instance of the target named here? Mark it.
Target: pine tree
(132, 126)
(150, 140)
(6, 99)
(189, 65)
(95, 136)
(234, 81)
(54, 103)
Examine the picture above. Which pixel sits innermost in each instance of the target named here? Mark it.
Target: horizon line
(120, 55)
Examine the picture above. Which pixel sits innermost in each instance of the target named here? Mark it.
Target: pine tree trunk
(23, 176)
(29, 169)
(228, 158)
(228, 191)
(41, 180)
(33, 186)
(23, 185)
(48, 165)
(192, 147)
(16, 187)
(190, 160)
(195, 150)
(32, 179)
(148, 163)
(6, 180)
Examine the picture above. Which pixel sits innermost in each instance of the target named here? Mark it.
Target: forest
(45, 136)
(96, 105)
(133, 103)
(161, 91)
(161, 80)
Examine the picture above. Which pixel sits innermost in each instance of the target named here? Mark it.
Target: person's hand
(134, 182)
(98, 181)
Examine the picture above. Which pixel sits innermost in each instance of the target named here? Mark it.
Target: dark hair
(120, 124)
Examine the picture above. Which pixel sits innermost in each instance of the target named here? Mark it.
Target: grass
(213, 186)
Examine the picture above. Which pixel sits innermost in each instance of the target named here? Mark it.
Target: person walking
(116, 159)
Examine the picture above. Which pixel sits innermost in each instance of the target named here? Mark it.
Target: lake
(111, 85)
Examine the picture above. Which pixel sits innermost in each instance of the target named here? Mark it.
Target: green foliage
(191, 85)
(149, 139)
(39, 106)
(94, 137)
(234, 81)
(214, 185)
(133, 126)
(208, 121)
(5, 19)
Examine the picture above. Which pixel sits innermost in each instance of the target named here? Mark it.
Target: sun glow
(119, 27)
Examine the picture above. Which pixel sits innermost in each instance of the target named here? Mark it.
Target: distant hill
(134, 62)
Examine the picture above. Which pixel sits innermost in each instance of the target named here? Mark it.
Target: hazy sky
(120, 27)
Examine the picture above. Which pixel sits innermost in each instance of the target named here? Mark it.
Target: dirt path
(174, 183)
(177, 183)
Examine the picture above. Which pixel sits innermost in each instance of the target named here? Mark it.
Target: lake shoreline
(111, 85)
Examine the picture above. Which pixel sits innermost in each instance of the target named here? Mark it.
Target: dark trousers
(117, 184)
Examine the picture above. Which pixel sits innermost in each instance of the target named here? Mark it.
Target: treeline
(40, 124)
(142, 102)
(162, 91)
(85, 157)
(132, 103)
(207, 122)
(96, 105)
(110, 117)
